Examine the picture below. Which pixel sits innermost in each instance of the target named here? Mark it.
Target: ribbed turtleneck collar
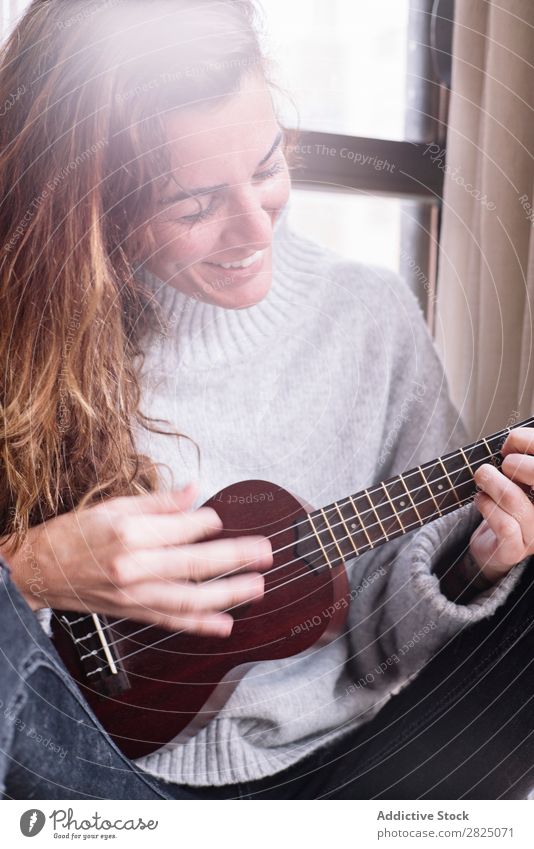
(205, 335)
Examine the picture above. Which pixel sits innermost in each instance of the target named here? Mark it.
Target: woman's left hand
(506, 534)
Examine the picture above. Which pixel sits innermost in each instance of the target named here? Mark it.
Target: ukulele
(148, 686)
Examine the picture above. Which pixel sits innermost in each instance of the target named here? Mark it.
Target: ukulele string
(310, 536)
(339, 504)
(278, 587)
(344, 502)
(405, 530)
(173, 634)
(378, 488)
(348, 502)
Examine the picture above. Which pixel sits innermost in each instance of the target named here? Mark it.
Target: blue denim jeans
(463, 728)
(51, 744)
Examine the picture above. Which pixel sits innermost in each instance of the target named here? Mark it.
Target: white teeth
(244, 263)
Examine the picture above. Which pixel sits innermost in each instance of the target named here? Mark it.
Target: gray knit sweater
(327, 386)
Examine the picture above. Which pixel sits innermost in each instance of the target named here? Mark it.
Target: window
(344, 61)
(369, 101)
(10, 11)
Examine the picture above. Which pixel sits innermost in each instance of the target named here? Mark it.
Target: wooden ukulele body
(170, 685)
(162, 685)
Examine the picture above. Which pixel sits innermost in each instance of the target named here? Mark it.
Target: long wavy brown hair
(84, 89)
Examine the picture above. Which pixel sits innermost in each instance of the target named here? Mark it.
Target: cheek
(180, 245)
(276, 192)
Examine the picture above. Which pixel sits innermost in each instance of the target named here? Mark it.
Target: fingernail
(256, 585)
(225, 627)
(215, 519)
(264, 554)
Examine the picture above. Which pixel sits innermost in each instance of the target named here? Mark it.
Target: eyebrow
(183, 195)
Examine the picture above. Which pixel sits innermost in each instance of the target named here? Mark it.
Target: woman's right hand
(148, 558)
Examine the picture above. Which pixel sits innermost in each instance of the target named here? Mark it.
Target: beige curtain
(485, 306)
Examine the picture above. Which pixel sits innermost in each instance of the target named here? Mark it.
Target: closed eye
(266, 174)
(199, 216)
(269, 172)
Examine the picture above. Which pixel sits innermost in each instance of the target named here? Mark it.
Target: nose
(249, 220)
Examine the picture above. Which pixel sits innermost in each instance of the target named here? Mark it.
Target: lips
(242, 263)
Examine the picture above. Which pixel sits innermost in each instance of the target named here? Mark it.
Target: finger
(520, 440)
(210, 623)
(198, 562)
(156, 502)
(182, 599)
(519, 467)
(203, 624)
(504, 492)
(505, 527)
(150, 531)
(485, 539)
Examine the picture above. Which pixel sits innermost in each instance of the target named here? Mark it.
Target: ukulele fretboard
(375, 515)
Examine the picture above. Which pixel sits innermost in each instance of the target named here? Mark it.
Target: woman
(152, 288)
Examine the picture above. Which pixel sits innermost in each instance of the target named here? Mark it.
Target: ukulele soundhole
(313, 547)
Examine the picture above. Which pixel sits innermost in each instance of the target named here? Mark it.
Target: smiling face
(215, 222)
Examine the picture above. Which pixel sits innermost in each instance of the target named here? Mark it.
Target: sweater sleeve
(398, 616)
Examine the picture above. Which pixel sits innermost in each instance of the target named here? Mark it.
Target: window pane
(344, 63)
(10, 12)
(363, 227)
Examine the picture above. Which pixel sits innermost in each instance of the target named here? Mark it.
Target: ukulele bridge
(98, 659)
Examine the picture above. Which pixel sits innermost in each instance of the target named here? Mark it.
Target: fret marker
(353, 527)
(402, 503)
(440, 486)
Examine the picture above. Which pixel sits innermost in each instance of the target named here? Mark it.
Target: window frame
(418, 174)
